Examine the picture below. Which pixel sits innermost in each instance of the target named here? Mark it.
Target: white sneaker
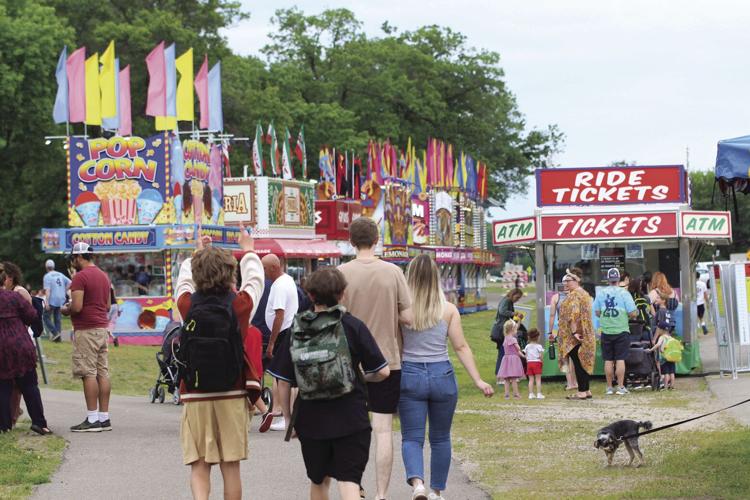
(539, 395)
(434, 496)
(622, 391)
(419, 493)
(532, 396)
(279, 425)
(610, 391)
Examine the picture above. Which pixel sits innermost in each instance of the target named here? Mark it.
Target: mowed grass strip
(26, 460)
(132, 369)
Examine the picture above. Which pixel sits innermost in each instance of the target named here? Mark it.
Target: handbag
(496, 334)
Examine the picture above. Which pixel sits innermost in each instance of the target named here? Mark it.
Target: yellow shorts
(90, 353)
(215, 431)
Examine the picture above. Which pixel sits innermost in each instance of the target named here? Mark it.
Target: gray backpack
(320, 354)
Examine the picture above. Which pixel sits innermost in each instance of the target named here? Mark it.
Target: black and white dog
(610, 437)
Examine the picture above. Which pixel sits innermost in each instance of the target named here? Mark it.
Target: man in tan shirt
(377, 294)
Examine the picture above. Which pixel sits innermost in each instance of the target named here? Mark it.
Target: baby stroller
(641, 369)
(168, 367)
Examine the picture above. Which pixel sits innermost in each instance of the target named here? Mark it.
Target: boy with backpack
(322, 357)
(217, 372)
(670, 350)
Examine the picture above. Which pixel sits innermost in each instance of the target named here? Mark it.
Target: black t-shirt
(328, 419)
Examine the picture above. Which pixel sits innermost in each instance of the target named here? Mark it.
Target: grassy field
(544, 449)
(513, 448)
(133, 369)
(27, 459)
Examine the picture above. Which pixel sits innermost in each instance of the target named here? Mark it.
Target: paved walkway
(141, 458)
(724, 388)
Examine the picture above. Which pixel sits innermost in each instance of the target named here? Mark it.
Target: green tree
(425, 83)
(31, 37)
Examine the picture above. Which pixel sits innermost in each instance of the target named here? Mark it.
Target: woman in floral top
(576, 331)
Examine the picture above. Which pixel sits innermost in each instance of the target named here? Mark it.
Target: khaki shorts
(90, 353)
(215, 431)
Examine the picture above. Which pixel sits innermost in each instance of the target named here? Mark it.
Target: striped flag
(301, 151)
(286, 156)
(258, 150)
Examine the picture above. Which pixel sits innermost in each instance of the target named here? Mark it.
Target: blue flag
(171, 71)
(215, 113)
(60, 111)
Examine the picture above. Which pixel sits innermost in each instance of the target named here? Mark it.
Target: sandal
(573, 397)
(42, 431)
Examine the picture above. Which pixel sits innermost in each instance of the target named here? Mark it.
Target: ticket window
(135, 274)
(595, 259)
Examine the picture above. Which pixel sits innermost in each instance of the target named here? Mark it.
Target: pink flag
(126, 120)
(76, 70)
(156, 102)
(201, 88)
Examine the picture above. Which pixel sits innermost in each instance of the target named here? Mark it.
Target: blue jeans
(52, 320)
(428, 391)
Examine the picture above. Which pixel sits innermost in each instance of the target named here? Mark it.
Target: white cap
(49, 264)
(81, 248)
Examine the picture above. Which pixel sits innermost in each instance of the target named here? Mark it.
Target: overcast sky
(632, 80)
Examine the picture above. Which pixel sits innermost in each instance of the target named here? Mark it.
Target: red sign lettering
(610, 185)
(609, 227)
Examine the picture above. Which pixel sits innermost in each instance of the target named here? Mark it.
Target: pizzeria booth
(636, 219)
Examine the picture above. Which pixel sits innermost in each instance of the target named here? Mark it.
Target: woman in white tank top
(428, 382)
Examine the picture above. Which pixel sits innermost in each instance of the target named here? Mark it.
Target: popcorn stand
(138, 201)
(634, 218)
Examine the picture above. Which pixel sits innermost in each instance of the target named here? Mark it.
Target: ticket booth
(634, 218)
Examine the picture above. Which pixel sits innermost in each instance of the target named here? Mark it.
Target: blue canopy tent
(732, 169)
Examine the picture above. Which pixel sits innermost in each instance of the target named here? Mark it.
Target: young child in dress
(534, 352)
(511, 367)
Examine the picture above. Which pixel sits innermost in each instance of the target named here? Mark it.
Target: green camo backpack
(673, 350)
(320, 354)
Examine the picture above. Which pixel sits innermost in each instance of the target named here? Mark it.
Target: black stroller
(641, 369)
(168, 367)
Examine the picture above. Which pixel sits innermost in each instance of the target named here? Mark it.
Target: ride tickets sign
(610, 185)
(118, 181)
(609, 226)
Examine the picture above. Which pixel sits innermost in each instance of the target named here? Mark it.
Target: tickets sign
(506, 232)
(696, 224)
(610, 185)
(609, 226)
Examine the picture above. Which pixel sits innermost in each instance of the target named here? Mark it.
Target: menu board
(609, 258)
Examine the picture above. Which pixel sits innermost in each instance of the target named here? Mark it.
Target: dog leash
(637, 434)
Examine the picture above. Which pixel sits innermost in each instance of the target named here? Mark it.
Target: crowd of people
(362, 343)
(382, 336)
(626, 308)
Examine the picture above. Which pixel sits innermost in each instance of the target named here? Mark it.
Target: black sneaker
(106, 425)
(57, 338)
(87, 426)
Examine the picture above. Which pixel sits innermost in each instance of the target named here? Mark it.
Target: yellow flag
(93, 94)
(165, 123)
(107, 82)
(185, 92)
